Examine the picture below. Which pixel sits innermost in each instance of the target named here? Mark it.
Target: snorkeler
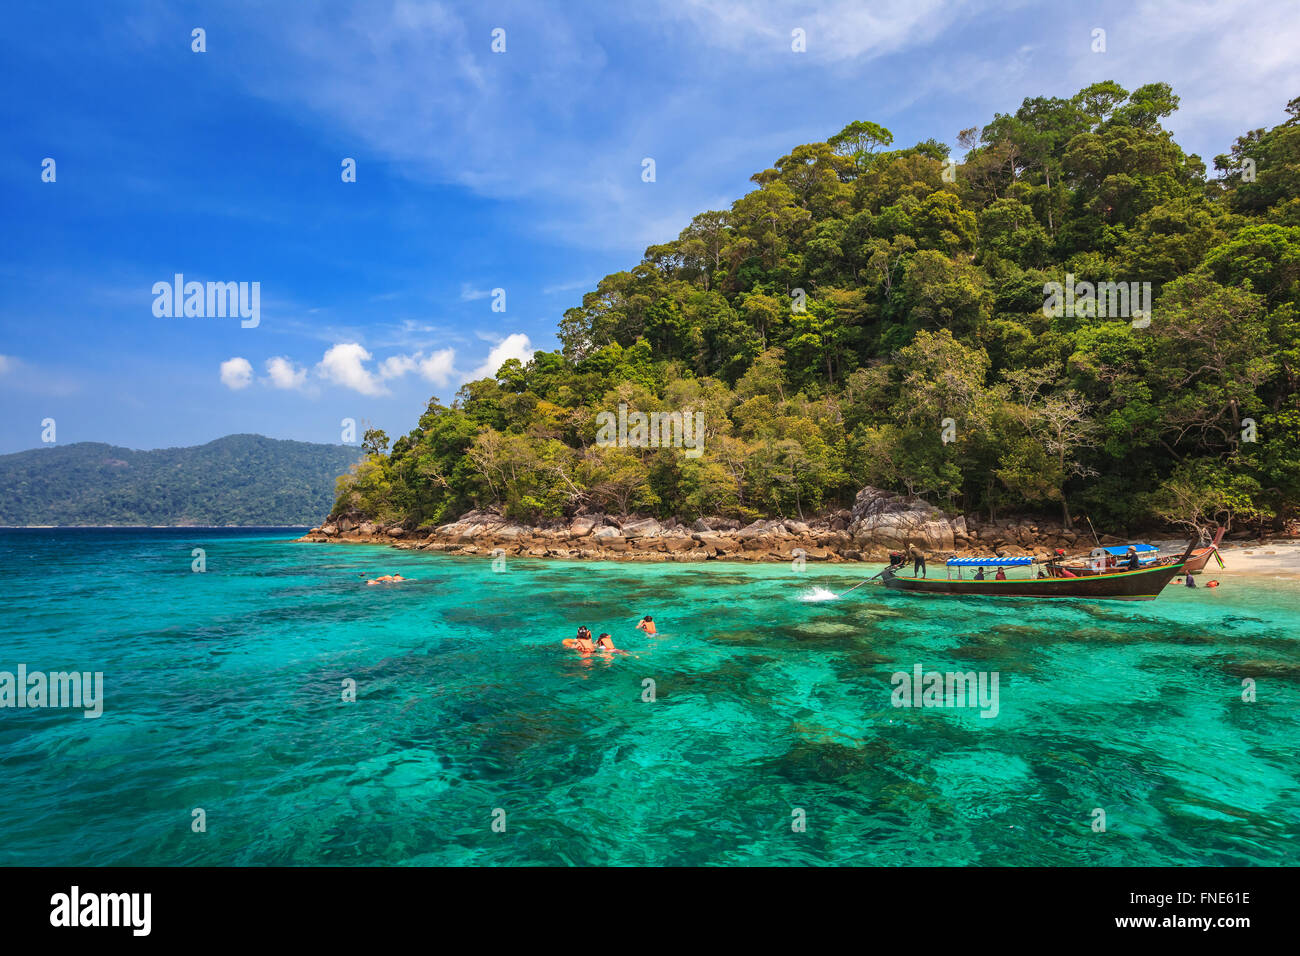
(606, 643)
(582, 642)
(647, 624)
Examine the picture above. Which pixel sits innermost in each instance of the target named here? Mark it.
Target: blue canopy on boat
(989, 562)
(1123, 549)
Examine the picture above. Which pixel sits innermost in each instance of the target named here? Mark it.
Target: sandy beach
(1275, 557)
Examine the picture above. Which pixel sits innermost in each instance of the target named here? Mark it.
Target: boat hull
(1144, 584)
(1199, 559)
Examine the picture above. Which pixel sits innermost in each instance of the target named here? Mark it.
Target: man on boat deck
(918, 559)
(1133, 562)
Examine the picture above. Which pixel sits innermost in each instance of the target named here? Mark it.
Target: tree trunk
(1047, 173)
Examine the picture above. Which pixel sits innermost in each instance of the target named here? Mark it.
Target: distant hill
(236, 480)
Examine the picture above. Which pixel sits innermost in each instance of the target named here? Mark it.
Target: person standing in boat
(1133, 562)
(918, 559)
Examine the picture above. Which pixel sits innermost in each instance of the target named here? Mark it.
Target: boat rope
(862, 582)
(854, 588)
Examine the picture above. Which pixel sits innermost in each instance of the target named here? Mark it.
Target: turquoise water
(223, 692)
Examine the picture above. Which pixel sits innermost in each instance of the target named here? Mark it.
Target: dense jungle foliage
(873, 315)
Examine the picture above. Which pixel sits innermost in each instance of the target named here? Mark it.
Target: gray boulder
(885, 518)
(582, 526)
(643, 528)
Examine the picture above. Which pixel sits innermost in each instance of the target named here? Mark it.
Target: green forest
(236, 480)
(874, 315)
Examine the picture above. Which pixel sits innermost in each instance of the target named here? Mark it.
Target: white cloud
(438, 368)
(516, 346)
(418, 87)
(236, 373)
(395, 366)
(38, 379)
(344, 364)
(570, 286)
(1234, 68)
(469, 294)
(284, 374)
(837, 30)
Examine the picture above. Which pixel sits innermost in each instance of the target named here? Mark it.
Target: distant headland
(235, 481)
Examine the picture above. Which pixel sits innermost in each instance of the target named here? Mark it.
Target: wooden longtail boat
(1110, 560)
(1201, 556)
(1148, 554)
(1144, 584)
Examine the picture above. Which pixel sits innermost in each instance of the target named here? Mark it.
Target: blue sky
(476, 170)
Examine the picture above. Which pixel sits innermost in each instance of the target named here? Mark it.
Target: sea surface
(771, 738)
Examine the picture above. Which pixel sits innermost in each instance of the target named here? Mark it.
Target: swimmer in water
(582, 642)
(647, 624)
(606, 643)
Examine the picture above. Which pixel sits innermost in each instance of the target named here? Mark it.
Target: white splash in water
(818, 594)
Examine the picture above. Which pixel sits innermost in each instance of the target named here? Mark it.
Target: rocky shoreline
(879, 522)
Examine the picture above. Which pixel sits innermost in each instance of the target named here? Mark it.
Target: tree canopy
(872, 314)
